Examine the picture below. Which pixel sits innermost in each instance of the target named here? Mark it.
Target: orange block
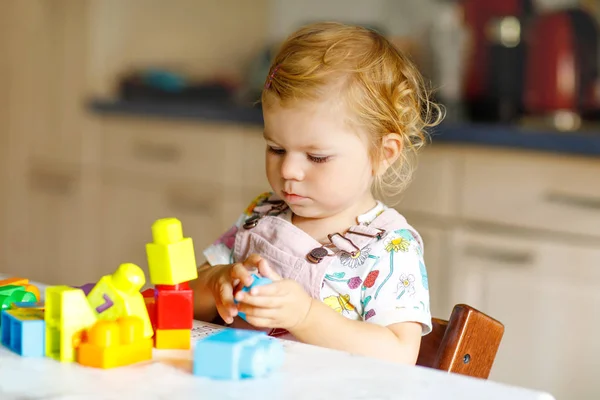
(175, 339)
(117, 343)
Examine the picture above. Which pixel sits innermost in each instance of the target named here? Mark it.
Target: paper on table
(201, 329)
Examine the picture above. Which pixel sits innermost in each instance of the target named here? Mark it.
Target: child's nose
(291, 169)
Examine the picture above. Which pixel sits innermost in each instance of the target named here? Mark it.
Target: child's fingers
(264, 269)
(257, 301)
(225, 303)
(241, 273)
(272, 289)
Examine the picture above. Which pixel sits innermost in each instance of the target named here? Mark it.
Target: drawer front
(547, 192)
(434, 187)
(178, 150)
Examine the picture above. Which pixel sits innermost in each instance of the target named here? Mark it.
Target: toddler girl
(343, 110)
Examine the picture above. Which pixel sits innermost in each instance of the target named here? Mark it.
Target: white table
(309, 372)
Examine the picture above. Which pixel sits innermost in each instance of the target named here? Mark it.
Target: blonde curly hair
(381, 87)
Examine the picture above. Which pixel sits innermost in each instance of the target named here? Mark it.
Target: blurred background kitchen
(114, 113)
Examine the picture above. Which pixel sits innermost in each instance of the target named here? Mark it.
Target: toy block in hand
(171, 257)
(118, 295)
(109, 344)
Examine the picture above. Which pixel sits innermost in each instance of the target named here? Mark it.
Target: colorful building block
(173, 339)
(171, 257)
(14, 294)
(237, 354)
(118, 295)
(67, 315)
(110, 344)
(174, 307)
(256, 281)
(23, 331)
(22, 282)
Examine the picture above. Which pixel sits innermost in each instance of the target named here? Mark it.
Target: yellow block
(171, 257)
(67, 315)
(115, 344)
(118, 295)
(179, 339)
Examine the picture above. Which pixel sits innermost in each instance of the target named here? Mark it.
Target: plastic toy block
(14, 294)
(174, 339)
(174, 307)
(110, 344)
(118, 295)
(237, 354)
(150, 301)
(14, 281)
(257, 281)
(67, 315)
(23, 331)
(171, 257)
(38, 305)
(22, 282)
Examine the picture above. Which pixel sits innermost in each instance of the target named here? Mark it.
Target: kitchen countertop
(309, 372)
(547, 140)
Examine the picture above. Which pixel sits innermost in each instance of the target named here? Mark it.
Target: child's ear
(391, 148)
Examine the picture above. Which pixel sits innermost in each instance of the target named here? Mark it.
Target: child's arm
(205, 308)
(324, 327)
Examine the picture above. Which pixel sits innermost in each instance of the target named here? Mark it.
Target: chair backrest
(466, 344)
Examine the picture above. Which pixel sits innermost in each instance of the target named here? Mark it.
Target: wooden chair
(466, 344)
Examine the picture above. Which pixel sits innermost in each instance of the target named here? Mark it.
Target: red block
(174, 305)
(150, 300)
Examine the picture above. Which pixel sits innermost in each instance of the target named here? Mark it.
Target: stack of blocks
(112, 324)
(172, 264)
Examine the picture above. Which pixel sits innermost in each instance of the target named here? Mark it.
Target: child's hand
(281, 304)
(226, 279)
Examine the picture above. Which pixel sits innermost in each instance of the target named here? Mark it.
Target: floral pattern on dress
(356, 260)
(406, 285)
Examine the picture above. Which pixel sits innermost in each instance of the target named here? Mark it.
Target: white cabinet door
(433, 190)
(131, 204)
(547, 294)
(50, 224)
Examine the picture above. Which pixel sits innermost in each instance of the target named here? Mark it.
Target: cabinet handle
(500, 255)
(159, 152)
(574, 201)
(52, 182)
(183, 202)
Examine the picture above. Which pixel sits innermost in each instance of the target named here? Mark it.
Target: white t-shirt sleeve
(399, 291)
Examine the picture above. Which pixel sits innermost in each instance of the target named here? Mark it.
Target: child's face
(315, 161)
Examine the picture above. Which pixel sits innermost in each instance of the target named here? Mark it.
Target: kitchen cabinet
(545, 292)
(50, 224)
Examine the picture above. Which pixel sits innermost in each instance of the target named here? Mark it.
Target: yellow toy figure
(118, 295)
(171, 257)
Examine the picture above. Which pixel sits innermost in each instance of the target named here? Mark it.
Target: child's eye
(275, 150)
(318, 159)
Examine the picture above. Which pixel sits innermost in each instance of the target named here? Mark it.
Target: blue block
(257, 281)
(237, 354)
(23, 333)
